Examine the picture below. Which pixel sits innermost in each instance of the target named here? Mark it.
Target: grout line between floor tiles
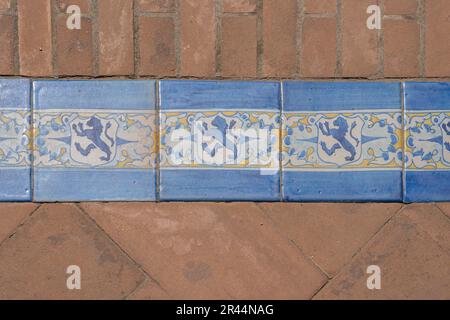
(139, 286)
(442, 211)
(19, 226)
(319, 289)
(138, 265)
(365, 245)
(298, 247)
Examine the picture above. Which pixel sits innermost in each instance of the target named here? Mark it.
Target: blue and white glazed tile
(15, 140)
(427, 142)
(219, 140)
(342, 141)
(94, 140)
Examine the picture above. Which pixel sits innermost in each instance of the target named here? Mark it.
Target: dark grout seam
(259, 39)
(20, 225)
(365, 245)
(297, 246)
(139, 266)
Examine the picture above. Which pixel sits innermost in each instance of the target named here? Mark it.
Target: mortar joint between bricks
(177, 39)
(16, 62)
(53, 19)
(422, 34)
(338, 38)
(219, 13)
(299, 36)
(260, 38)
(380, 41)
(95, 38)
(136, 39)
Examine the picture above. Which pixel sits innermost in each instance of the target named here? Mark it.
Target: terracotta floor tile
(445, 207)
(412, 253)
(149, 290)
(12, 215)
(34, 261)
(329, 233)
(210, 250)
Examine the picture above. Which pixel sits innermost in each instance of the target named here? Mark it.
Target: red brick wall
(226, 39)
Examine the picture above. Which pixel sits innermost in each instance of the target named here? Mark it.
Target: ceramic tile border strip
(15, 140)
(219, 141)
(427, 142)
(342, 141)
(61, 174)
(94, 140)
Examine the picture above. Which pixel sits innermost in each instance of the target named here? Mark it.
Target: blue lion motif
(339, 134)
(94, 135)
(446, 128)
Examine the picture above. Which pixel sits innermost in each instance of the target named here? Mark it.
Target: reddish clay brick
(5, 5)
(239, 46)
(198, 38)
(437, 59)
(239, 6)
(74, 48)
(85, 5)
(6, 45)
(115, 28)
(157, 46)
(35, 37)
(398, 7)
(401, 48)
(320, 6)
(156, 5)
(359, 44)
(319, 47)
(280, 20)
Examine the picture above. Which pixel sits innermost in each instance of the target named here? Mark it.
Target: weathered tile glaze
(94, 140)
(427, 142)
(219, 140)
(15, 140)
(342, 141)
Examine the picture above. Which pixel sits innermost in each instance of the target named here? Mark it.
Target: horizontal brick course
(200, 38)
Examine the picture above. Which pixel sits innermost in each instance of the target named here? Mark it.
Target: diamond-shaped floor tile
(15, 140)
(94, 140)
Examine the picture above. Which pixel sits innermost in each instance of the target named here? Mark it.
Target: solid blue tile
(226, 185)
(342, 141)
(427, 138)
(219, 141)
(94, 140)
(15, 133)
(92, 94)
(338, 96)
(225, 95)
